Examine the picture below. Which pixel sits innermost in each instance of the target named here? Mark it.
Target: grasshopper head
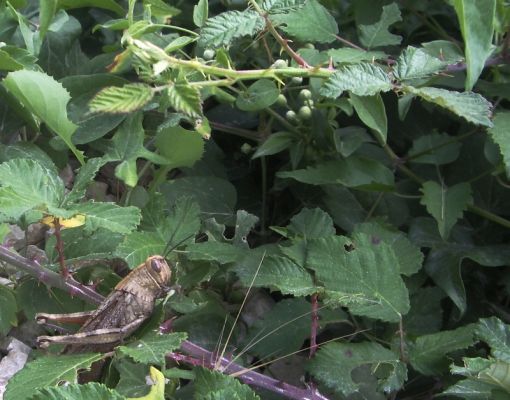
(159, 270)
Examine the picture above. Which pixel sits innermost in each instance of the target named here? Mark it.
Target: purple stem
(462, 65)
(77, 289)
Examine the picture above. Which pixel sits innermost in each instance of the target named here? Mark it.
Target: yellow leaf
(157, 391)
(77, 220)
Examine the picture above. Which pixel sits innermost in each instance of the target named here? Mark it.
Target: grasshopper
(119, 315)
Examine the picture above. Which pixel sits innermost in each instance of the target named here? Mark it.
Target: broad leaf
(361, 274)
(490, 371)
(200, 13)
(497, 335)
(446, 204)
(468, 105)
(47, 100)
(185, 98)
(472, 390)
(83, 179)
(213, 385)
(27, 185)
(435, 149)
(415, 63)
(181, 147)
(334, 363)
(311, 224)
(125, 99)
(311, 14)
(377, 34)
(476, 19)
(499, 133)
(427, 353)
(259, 95)
(223, 253)
(278, 6)
(362, 79)
(275, 143)
(152, 348)
(92, 390)
(358, 173)
(109, 216)
(8, 310)
(371, 111)
(347, 55)
(46, 372)
(222, 29)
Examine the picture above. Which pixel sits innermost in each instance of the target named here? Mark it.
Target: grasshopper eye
(155, 266)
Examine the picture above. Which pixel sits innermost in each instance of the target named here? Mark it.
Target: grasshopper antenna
(168, 250)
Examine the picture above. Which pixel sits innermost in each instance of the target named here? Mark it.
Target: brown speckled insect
(119, 315)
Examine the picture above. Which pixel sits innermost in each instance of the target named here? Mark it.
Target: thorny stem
(77, 289)
(59, 246)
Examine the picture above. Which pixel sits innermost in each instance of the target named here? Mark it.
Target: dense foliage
(330, 175)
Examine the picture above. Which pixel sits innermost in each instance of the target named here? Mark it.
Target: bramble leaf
(499, 133)
(377, 34)
(152, 348)
(213, 385)
(75, 391)
(415, 63)
(185, 98)
(124, 99)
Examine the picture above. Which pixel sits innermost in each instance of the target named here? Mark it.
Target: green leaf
(364, 278)
(275, 272)
(47, 371)
(377, 34)
(426, 314)
(8, 310)
(476, 19)
(347, 55)
(259, 95)
(182, 223)
(125, 99)
(446, 204)
(362, 79)
(92, 390)
(185, 98)
(334, 363)
(152, 348)
(109, 216)
(27, 185)
(312, 14)
(275, 143)
(499, 133)
(371, 111)
(201, 13)
(428, 353)
(159, 8)
(181, 147)
(277, 6)
(223, 253)
(14, 58)
(435, 149)
(83, 179)
(415, 63)
(311, 224)
(355, 172)
(409, 256)
(222, 29)
(105, 4)
(468, 105)
(471, 390)
(497, 335)
(132, 381)
(47, 100)
(48, 9)
(27, 150)
(213, 385)
(489, 371)
(281, 331)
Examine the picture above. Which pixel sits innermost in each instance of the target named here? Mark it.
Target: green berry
(281, 100)
(297, 80)
(305, 94)
(246, 148)
(209, 54)
(278, 64)
(291, 115)
(305, 113)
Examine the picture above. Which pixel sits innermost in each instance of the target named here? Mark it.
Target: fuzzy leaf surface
(124, 99)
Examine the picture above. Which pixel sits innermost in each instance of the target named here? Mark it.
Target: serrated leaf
(109, 216)
(415, 63)
(362, 79)
(27, 150)
(476, 19)
(275, 272)
(409, 256)
(471, 390)
(185, 98)
(497, 335)
(428, 352)
(84, 177)
(223, 253)
(372, 112)
(124, 99)
(311, 14)
(489, 371)
(364, 278)
(377, 34)
(435, 149)
(8, 310)
(44, 97)
(47, 371)
(27, 185)
(355, 172)
(278, 6)
(333, 365)
(152, 348)
(282, 330)
(499, 133)
(446, 204)
(201, 13)
(261, 94)
(213, 385)
(182, 223)
(275, 143)
(347, 55)
(468, 105)
(311, 224)
(222, 29)
(92, 390)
